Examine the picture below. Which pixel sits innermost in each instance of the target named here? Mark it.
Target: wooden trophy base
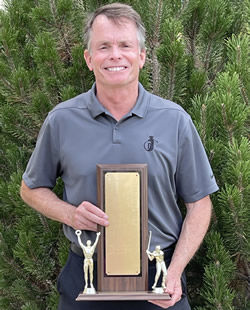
(137, 295)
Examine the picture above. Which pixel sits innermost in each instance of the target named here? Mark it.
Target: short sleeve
(194, 176)
(44, 165)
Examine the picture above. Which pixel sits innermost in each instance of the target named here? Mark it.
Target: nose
(115, 53)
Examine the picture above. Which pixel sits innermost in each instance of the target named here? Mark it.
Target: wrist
(175, 271)
(68, 214)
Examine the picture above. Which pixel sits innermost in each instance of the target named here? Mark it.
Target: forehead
(105, 28)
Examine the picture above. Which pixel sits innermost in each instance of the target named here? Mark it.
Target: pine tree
(197, 56)
(41, 64)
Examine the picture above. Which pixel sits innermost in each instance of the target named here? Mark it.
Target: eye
(103, 47)
(125, 45)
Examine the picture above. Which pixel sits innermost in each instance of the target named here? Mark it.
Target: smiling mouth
(115, 69)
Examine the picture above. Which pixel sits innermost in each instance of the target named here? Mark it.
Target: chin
(117, 82)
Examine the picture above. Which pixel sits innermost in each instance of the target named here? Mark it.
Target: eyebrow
(110, 42)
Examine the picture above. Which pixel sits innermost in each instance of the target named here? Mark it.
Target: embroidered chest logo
(150, 143)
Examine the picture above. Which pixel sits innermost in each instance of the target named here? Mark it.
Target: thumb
(170, 285)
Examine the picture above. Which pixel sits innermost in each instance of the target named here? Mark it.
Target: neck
(118, 100)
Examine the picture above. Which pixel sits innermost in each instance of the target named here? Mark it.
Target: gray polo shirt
(80, 133)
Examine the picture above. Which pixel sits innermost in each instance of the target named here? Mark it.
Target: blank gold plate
(122, 237)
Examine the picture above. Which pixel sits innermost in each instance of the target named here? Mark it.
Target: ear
(142, 58)
(87, 58)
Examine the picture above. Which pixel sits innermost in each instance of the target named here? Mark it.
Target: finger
(164, 303)
(93, 214)
(175, 297)
(95, 210)
(174, 289)
(82, 223)
(85, 224)
(161, 303)
(170, 289)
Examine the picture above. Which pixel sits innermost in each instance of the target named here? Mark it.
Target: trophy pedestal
(89, 291)
(158, 290)
(137, 295)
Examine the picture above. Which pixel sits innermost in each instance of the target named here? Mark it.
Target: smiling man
(118, 122)
(116, 58)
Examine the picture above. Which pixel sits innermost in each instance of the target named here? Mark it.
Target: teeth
(115, 69)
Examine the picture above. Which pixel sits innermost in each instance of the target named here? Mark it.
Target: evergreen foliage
(198, 56)
(218, 272)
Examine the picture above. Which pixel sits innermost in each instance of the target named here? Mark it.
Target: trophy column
(122, 259)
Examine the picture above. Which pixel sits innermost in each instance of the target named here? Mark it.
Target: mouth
(115, 69)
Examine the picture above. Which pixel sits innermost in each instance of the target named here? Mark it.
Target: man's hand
(193, 231)
(174, 289)
(86, 217)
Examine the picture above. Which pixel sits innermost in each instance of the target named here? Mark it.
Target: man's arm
(193, 230)
(84, 217)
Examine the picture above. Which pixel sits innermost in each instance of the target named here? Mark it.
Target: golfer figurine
(88, 265)
(158, 255)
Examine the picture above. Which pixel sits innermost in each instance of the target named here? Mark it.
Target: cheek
(138, 60)
(98, 62)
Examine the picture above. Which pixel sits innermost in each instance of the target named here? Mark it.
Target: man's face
(115, 56)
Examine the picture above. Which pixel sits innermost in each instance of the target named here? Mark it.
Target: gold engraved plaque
(122, 237)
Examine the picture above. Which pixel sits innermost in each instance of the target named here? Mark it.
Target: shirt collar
(140, 108)
(141, 105)
(94, 106)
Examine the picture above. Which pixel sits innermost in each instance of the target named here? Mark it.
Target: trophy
(123, 251)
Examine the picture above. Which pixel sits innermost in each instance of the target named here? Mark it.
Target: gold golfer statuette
(88, 265)
(158, 255)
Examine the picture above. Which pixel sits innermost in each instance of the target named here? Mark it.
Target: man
(88, 264)
(158, 255)
(119, 122)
